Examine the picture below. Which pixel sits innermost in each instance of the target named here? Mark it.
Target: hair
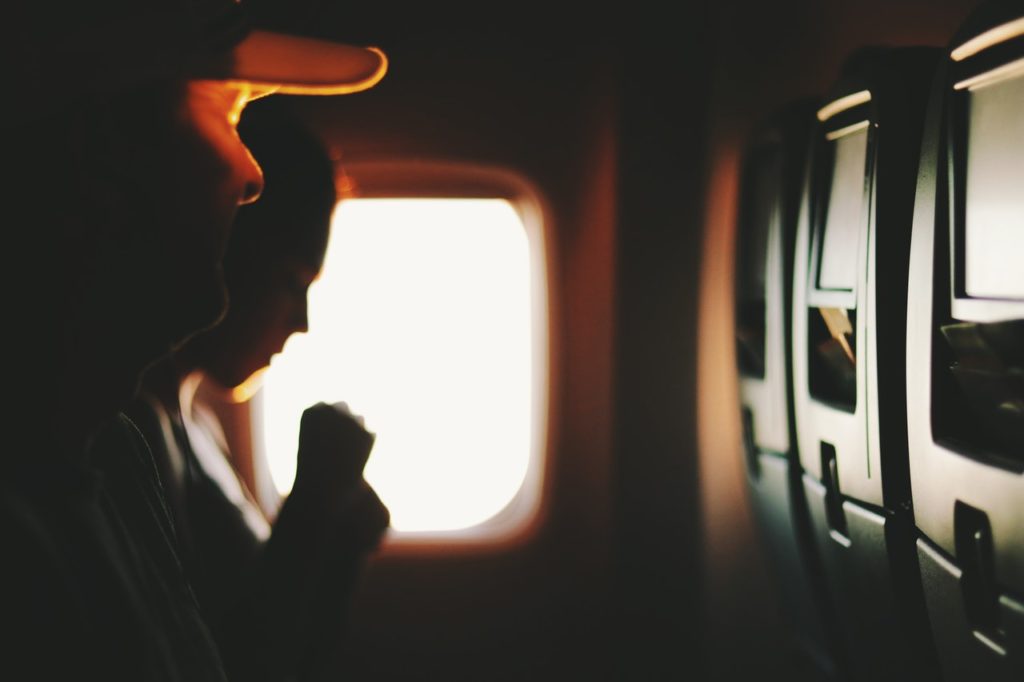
(292, 215)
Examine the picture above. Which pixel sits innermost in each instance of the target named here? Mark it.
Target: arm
(293, 613)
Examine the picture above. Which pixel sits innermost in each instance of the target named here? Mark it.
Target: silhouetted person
(276, 598)
(124, 175)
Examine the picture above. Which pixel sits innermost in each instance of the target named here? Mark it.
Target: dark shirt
(92, 586)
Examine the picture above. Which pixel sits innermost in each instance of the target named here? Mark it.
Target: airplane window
(846, 209)
(422, 322)
(994, 235)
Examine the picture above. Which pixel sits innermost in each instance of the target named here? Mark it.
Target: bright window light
(422, 322)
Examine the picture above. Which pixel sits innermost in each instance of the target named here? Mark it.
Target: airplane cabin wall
(766, 55)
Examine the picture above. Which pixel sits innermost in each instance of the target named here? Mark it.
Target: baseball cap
(69, 46)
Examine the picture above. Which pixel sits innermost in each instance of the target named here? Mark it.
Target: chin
(226, 377)
(247, 375)
(245, 390)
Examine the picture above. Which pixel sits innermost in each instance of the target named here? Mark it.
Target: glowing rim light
(1004, 72)
(842, 104)
(453, 449)
(993, 36)
(265, 61)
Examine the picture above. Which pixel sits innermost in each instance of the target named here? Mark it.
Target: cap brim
(296, 65)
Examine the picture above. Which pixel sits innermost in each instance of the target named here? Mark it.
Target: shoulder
(131, 476)
(120, 449)
(163, 436)
(148, 423)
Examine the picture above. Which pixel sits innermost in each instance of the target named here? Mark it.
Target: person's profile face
(263, 315)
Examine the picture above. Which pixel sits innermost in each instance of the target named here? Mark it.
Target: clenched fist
(333, 448)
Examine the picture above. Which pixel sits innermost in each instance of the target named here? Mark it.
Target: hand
(366, 519)
(333, 448)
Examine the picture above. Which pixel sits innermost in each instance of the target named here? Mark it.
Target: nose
(251, 176)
